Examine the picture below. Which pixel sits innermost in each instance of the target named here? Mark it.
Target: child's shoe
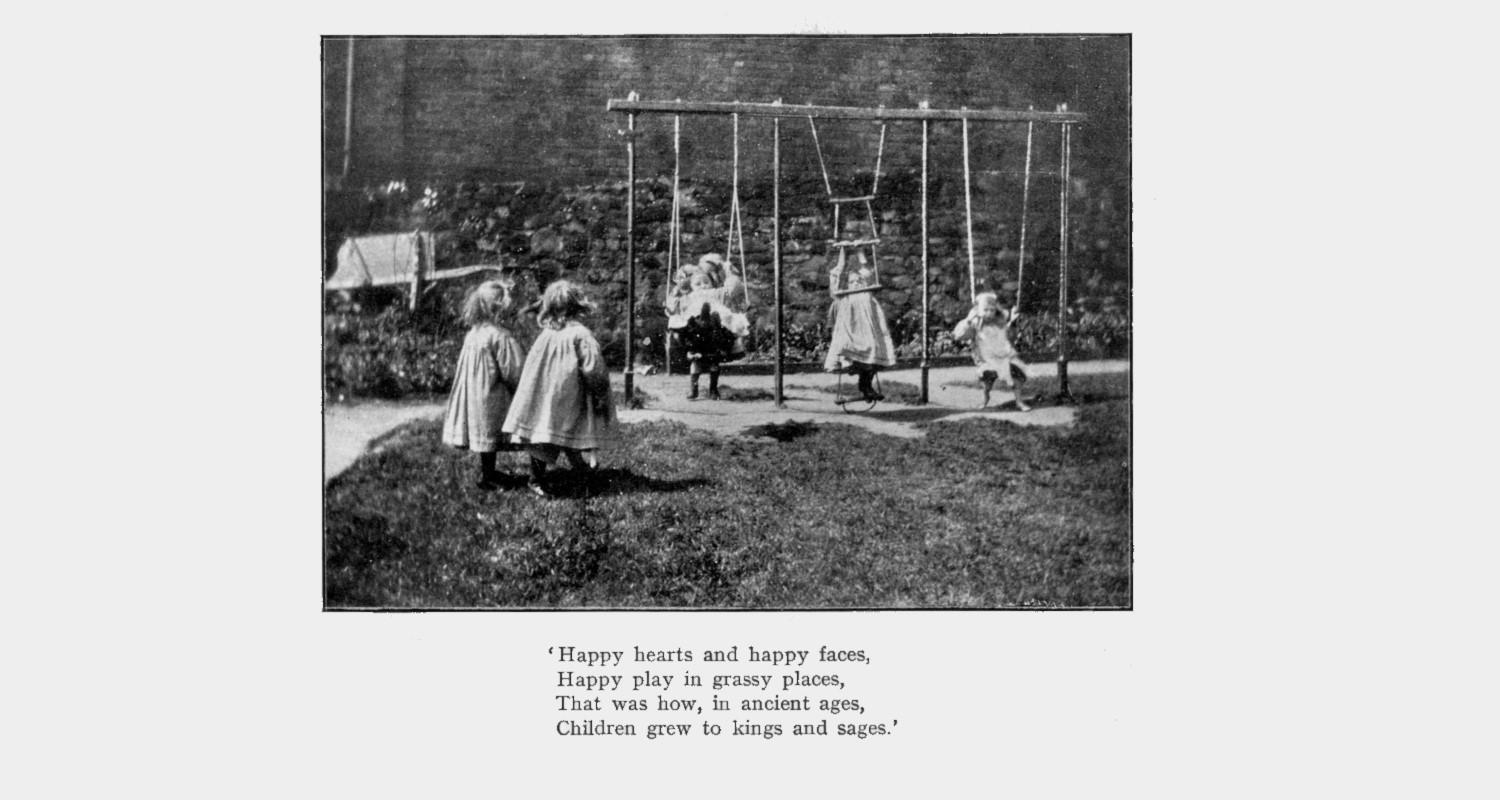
(534, 480)
(1021, 404)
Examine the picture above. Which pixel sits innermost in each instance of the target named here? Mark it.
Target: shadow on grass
(913, 413)
(781, 432)
(640, 400)
(734, 395)
(570, 484)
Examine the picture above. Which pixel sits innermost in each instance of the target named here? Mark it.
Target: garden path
(351, 430)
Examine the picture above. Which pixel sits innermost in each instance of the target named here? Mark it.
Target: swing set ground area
(786, 511)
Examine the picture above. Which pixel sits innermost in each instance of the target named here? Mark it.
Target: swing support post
(776, 248)
(926, 364)
(1062, 265)
(630, 257)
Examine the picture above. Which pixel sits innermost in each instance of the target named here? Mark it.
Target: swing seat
(853, 242)
(871, 288)
(861, 199)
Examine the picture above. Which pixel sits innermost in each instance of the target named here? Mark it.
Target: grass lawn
(980, 513)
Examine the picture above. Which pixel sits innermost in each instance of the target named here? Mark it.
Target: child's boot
(693, 386)
(534, 483)
(1018, 379)
(488, 479)
(987, 381)
(713, 384)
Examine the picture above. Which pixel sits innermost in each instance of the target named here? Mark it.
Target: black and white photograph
(727, 322)
(698, 399)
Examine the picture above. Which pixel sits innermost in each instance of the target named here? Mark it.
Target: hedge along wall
(580, 233)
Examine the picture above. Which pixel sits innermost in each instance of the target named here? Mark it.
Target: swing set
(632, 106)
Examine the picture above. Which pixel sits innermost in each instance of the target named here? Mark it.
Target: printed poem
(742, 691)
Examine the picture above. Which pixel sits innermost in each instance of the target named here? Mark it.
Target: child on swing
(701, 313)
(562, 404)
(988, 327)
(485, 380)
(861, 341)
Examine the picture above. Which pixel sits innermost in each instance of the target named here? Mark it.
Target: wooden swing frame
(1064, 119)
(674, 235)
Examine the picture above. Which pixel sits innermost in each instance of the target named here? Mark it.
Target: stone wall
(579, 233)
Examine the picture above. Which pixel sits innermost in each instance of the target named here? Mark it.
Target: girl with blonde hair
(562, 403)
(489, 364)
(703, 313)
(988, 327)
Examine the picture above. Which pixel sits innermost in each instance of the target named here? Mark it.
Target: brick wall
(428, 110)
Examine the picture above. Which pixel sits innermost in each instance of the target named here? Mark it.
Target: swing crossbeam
(841, 112)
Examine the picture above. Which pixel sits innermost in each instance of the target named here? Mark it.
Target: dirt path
(350, 430)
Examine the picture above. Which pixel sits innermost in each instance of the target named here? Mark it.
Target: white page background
(1306, 573)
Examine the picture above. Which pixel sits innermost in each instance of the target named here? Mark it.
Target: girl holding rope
(861, 342)
(988, 327)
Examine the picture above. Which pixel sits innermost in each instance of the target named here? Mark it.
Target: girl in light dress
(987, 327)
(485, 380)
(703, 312)
(562, 404)
(861, 341)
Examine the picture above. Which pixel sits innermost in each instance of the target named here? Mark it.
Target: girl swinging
(861, 342)
(702, 314)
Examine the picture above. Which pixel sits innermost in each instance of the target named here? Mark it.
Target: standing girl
(861, 341)
(702, 313)
(562, 403)
(988, 327)
(488, 366)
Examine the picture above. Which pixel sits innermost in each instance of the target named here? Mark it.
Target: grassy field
(979, 514)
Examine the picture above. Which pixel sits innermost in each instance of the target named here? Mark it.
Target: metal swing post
(1062, 265)
(926, 364)
(776, 247)
(674, 236)
(630, 256)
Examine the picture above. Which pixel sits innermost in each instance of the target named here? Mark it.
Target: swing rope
(837, 202)
(969, 215)
(736, 221)
(1025, 199)
(826, 185)
(674, 234)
